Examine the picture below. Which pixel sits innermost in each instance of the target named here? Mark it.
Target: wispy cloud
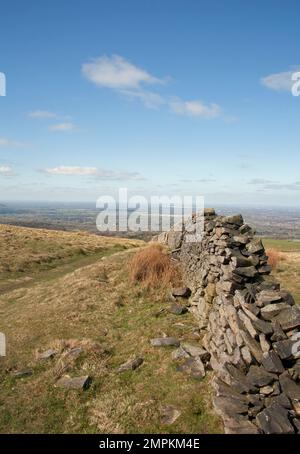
(62, 127)
(278, 81)
(259, 181)
(273, 185)
(6, 171)
(116, 72)
(4, 142)
(98, 173)
(120, 75)
(42, 114)
(195, 108)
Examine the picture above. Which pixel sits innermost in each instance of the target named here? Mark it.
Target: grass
(286, 260)
(97, 308)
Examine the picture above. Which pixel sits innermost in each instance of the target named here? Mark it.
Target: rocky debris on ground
(183, 292)
(165, 342)
(47, 354)
(193, 367)
(22, 373)
(131, 364)
(67, 382)
(169, 414)
(177, 309)
(250, 326)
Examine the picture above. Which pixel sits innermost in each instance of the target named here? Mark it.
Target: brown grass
(153, 267)
(274, 257)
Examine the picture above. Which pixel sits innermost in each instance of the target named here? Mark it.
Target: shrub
(153, 267)
(274, 257)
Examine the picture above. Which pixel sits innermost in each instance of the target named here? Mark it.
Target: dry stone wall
(250, 325)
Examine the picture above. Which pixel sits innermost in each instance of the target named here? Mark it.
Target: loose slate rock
(47, 354)
(284, 348)
(131, 364)
(193, 367)
(196, 350)
(289, 318)
(184, 292)
(258, 376)
(270, 311)
(272, 362)
(289, 387)
(22, 373)
(67, 382)
(170, 414)
(177, 309)
(274, 420)
(165, 342)
(179, 353)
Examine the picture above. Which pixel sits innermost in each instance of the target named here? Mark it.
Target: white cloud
(195, 108)
(10, 143)
(101, 174)
(42, 114)
(278, 81)
(6, 171)
(116, 72)
(62, 127)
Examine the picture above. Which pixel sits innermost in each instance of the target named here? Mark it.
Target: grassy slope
(288, 269)
(96, 303)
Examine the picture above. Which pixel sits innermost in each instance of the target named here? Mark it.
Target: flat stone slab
(272, 362)
(22, 373)
(274, 420)
(48, 354)
(67, 382)
(196, 351)
(184, 292)
(177, 309)
(270, 311)
(131, 364)
(258, 376)
(165, 342)
(289, 318)
(170, 414)
(193, 367)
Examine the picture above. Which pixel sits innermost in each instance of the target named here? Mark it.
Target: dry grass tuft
(274, 257)
(153, 267)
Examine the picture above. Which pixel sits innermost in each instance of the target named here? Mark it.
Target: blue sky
(174, 97)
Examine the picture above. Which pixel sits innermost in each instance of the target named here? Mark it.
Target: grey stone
(266, 390)
(240, 425)
(179, 353)
(236, 219)
(259, 377)
(131, 364)
(289, 318)
(270, 311)
(281, 400)
(196, 351)
(247, 271)
(289, 387)
(67, 382)
(253, 346)
(284, 348)
(169, 414)
(228, 406)
(255, 246)
(266, 297)
(272, 362)
(274, 420)
(193, 367)
(47, 354)
(263, 326)
(184, 292)
(177, 309)
(22, 373)
(278, 334)
(165, 342)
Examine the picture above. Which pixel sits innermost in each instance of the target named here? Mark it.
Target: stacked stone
(251, 327)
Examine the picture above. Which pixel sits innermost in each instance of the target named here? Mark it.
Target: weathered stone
(236, 219)
(289, 387)
(262, 326)
(177, 309)
(284, 348)
(165, 342)
(240, 425)
(179, 353)
(253, 346)
(247, 322)
(281, 400)
(246, 355)
(259, 377)
(169, 414)
(278, 334)
(196, 351)
(266, 390)
(272, 362)
(255, 246)
(266, 297)
(274, 420)
(289, 318)
(47, 354)
(193, 367)
(22, 373)
(228, 406)
(209, 212)
(184, 292)
(239, 380)
(67, 382)
(270, 311)
(131, 364)
(247, 271)
(264, 344)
